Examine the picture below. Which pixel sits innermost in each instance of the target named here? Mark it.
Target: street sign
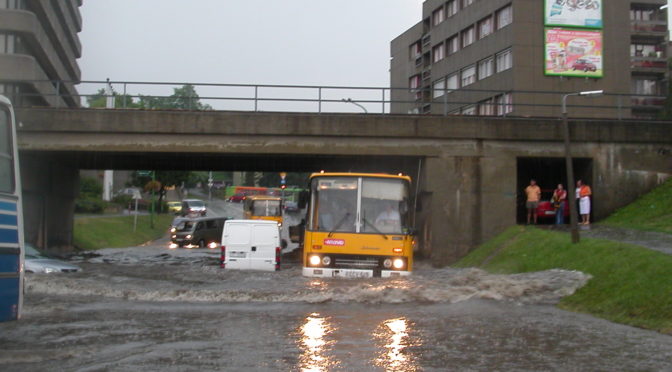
(144, 173)
(283, 181)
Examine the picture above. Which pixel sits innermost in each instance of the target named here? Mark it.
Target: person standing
(533, 193)
(559, 199)
(585, 194)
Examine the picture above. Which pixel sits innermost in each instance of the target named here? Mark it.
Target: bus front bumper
(321, 272)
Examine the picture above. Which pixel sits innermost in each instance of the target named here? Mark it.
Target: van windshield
(185, 226)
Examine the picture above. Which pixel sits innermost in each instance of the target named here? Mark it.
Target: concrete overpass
(468, 171)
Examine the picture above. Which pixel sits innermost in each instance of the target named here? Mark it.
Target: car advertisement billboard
(573, 53)
(573, 13)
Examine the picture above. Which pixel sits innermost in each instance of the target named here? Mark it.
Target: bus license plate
(353, 273)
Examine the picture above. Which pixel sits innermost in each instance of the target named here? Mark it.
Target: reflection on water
(314, 346)
(394, 334)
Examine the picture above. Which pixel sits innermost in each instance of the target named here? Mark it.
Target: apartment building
(518, 57)
(39, 48)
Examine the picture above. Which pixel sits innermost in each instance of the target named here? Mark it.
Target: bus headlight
(326, 260)
(398, 263)
(314, 260)
(387, 263)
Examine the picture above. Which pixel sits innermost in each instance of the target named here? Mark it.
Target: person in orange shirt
(584, 195)
(533, 193)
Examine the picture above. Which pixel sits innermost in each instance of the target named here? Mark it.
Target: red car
(237, 198)
(583, 65)
(545, 208)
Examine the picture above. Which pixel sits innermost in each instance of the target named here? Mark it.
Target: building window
(487, 107)
(452, 6)
(645, 86)
(12, 4)
(486, 68)
(504, 60)
(414, 82)
(504, 103)
(469, 110)
(438, 53)
(439, 88)
(415, 49)
(438, 16)
(468, 75)
(504, 17)
(644, 50)
(484, 27)
(453, 44)
(468, 36)
(642, 15)
(452, 82)
(466, 3)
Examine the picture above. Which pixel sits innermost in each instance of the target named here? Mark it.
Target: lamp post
(349, 100)
(573, 215)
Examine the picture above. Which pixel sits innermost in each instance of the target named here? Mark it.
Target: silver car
(37, 263)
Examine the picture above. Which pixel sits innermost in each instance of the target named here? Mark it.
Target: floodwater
(150, 308)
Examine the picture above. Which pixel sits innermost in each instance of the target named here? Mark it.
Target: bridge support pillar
(452, 220)
(50, 187)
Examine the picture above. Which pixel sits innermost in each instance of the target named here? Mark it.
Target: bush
(90, 204)
(90, 187)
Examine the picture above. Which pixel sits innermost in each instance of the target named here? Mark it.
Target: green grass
(630, 284)
(651, 212)
(115, 232)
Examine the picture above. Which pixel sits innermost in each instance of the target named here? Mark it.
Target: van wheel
(283, 244)
(201, 243)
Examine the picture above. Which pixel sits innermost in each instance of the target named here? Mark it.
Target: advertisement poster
(574, 13)
(573, 53)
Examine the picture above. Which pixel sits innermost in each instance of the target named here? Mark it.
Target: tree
(184, 98)
(162, 179)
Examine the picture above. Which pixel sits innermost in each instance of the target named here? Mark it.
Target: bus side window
(6, 159)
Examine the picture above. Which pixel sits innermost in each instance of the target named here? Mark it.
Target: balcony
(648, 64)
(649, 28)
(647, 102)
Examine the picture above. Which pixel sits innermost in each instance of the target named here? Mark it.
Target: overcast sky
(293, 42)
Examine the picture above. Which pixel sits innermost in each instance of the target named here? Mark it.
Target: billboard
(573, 13)
(573, 52)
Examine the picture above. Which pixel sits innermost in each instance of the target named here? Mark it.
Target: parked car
(583, 65)
(545, 208)
(193, 207)
(174, 206)
(291, 206)
(36, 262)
(237, 198)
(197, 232)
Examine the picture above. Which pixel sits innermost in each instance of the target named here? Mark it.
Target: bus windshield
(360, 205)
(266, 208)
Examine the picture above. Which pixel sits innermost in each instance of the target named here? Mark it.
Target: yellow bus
(358, 225)
(263, 207)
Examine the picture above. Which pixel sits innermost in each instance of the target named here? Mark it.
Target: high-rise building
(39, 48)
(518, 57)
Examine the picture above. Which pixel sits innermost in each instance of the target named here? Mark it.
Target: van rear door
(236, 239)
(265, 239)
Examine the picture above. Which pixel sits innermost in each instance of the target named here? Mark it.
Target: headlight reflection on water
(394, 333)
(314, 346)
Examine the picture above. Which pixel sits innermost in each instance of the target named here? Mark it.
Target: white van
(251, 245)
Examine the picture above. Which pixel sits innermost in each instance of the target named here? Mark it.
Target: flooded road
(150, 308)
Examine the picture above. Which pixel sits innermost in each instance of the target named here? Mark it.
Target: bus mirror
(303, 199)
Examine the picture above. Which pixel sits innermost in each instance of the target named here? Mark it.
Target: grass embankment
(115, 232)
(630, 285)
(651, 212)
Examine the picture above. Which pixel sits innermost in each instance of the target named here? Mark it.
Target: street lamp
(573, 216)
(349, 100)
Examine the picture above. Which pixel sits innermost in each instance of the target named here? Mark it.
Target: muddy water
(152, 309)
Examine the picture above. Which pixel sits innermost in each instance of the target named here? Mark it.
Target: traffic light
(283, 186)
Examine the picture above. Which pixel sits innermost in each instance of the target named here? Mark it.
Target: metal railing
(345, 99)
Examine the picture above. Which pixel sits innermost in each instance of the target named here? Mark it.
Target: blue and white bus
(11, 218)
